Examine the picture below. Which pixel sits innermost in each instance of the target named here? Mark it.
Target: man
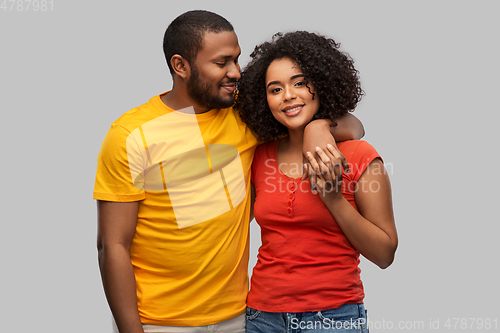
(173, 190)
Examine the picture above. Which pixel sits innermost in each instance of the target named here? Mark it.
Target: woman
(307, 276)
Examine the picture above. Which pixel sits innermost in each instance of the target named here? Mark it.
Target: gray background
(430, 71)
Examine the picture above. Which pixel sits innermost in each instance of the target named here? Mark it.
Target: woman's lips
(293, 110)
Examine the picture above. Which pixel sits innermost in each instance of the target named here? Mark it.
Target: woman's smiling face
(291, 101)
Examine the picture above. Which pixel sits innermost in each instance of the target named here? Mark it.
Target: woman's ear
(181, 66)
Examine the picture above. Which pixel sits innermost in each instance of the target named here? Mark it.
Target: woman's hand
(328, 174)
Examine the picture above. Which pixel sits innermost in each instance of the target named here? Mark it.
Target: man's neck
(177, 100)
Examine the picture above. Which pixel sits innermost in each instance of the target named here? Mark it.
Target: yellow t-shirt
(191, 174)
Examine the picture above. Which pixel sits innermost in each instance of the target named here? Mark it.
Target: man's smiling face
(215, 71)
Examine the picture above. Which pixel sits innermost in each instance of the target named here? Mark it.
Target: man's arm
(116, 228)
(349, 127)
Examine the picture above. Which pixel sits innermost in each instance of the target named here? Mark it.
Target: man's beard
(200, 92)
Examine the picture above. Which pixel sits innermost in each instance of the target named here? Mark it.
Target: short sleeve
(114, 175)
(360, 154)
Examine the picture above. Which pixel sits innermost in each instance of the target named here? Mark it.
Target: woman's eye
(300, 83)
(275, 90)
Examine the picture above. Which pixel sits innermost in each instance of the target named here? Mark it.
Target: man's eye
(221, 64)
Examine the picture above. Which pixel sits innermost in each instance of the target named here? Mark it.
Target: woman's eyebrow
(272, 82)
(297, 76)
(292, 78)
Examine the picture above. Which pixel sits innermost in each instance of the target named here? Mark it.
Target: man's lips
(230, 87)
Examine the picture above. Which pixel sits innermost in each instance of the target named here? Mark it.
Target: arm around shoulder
(349, 127)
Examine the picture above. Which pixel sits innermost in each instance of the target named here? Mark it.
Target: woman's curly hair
(330, 71)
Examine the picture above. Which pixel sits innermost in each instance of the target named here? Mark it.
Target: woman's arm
(372, 230)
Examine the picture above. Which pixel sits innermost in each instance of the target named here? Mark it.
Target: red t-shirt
(305, 262)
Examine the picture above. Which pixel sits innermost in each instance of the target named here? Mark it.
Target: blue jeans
(346, 318)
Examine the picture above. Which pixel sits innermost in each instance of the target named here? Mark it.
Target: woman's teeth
(294, 109)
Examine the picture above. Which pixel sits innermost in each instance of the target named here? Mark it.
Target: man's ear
(181, 66)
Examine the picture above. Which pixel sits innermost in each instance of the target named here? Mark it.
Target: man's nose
(234, 71)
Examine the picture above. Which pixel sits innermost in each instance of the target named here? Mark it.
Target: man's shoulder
(139, 115)
(233, 113)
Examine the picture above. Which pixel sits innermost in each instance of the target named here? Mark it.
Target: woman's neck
(290, 154)
(295, 139)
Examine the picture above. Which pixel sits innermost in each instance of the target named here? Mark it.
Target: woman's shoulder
(359, 154)
(357, 147)
(265, 160)
(267, 148)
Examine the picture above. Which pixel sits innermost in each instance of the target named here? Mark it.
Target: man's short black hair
(184, 36)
